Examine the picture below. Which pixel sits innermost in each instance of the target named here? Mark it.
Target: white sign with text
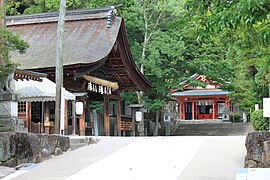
(266, 107)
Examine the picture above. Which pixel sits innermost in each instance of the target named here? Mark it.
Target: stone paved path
(4, 171)
(158, 158)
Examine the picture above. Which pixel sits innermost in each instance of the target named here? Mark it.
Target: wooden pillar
(106, 116)
(184, 111)
(29, 117)
(193, 110)
(133, 132)
(230, 106)
(214, 110)
(73, 118)
(119, 117)
(82, 124)
(180, 110)
(196, 109)
(47, 118)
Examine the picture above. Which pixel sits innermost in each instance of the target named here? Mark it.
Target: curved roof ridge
(94, 13)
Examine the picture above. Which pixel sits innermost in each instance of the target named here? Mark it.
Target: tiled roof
(201, 93)
(87, 38)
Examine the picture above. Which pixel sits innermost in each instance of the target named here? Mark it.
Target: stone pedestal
(9, 111)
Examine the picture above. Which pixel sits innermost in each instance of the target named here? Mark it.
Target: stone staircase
(213, 129)
(80, 141)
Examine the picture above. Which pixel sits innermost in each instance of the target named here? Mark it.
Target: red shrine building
(202, 103)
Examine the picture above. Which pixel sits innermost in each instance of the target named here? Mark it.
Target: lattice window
(21, 106)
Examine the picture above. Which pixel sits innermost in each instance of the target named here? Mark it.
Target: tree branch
(156, 24)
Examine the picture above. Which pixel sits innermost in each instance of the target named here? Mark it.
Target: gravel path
(4, 171)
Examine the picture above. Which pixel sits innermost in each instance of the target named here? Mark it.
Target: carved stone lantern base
(9, 111)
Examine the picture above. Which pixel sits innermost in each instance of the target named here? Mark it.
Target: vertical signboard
(256, 107)
(266, 107)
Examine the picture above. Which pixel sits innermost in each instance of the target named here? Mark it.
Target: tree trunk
(269, 97)
(2, 24)
(156, 123)
(59, 66)
(143, 56)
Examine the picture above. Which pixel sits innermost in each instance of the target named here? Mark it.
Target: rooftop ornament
(110, 16)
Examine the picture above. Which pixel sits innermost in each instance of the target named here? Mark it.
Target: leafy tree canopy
(9, 42)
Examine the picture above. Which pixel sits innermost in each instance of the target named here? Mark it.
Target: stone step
(76, 140)
(77, 145)
(4, 129)
(80, 141)
(213, 129)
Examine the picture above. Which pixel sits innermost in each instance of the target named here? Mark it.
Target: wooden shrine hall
(97, 60)
(202, 103)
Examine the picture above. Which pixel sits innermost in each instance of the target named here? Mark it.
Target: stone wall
(17, 148)
(258, 150)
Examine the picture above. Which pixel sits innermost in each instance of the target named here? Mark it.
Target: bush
(259, 123)
(235, 117)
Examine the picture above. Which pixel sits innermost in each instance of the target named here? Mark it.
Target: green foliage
(95, 105)
(235, 117)
(228, 41)
(130, 97)
(155, 30)
(10, 42)
(40, 6)
(259, 122)
(242, 28)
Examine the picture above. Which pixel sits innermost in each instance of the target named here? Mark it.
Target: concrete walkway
(158, 158)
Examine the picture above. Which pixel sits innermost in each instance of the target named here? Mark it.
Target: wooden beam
(119, 78)
(114, 97)
(119, 69)
(88, 70)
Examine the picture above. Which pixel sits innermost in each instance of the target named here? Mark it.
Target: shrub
(235, 117)
(259, 123)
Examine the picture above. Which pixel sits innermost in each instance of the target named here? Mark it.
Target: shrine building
(202, 103)
(97, 66)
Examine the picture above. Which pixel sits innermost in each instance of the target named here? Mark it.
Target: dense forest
(226, 40)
